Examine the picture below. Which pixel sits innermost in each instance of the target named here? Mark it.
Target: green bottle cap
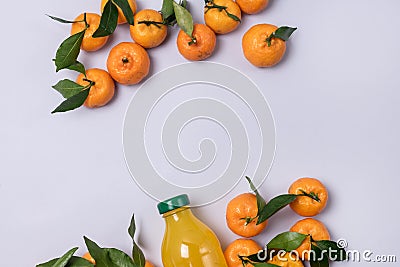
(173, 203)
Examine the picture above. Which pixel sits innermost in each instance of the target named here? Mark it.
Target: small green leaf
(68, 88)
(234, 17)
(118, 258)
(60, 19)
(284, 32)
(108, 21)
(72, 103)
(137, 253)
(73, 262)
(126, 9)
(68, 51)
(99, 255)
(258, 257)
(287, 241)
(335, 253)
(77, 66)
(318, 258)
(183, 18)
(167, 11)
(63, 261)
(260, 200)
(275, 205)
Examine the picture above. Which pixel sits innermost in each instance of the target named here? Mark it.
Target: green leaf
(126, 9)
(77, 66)
(287, 241)
(318, 258)
(68, 88)
(167, 11)
(183, 18)
(234, 17)
(275, 205)
(73, 262)
(260, 200)
(108, 257)
(68, 51)
(60, 19)
(284, 32)
(100, 255)
(108, 21)
(62, 261)
(72, 103)
(118, 258)
(335, 253)
(263, 264)
(137, 253)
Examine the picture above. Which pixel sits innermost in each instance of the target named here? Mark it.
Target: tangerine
(315, 229)
(148, 29)
(306, 206)
(218, 15)
(256, 48)
(102, 90)
(252, 6)
(89, 43)
(128, 63)
(200, 47)
(241, 215)
(240, 247)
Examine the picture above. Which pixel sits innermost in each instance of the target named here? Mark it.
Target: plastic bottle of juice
(187, 242)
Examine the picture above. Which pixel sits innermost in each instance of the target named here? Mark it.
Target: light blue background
(335, 98)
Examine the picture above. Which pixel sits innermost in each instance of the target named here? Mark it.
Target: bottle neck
(178, 215)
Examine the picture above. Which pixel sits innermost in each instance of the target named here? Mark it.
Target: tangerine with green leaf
(90, 26)
(148, 29)
(242, 215)
(240, 247)
(199, 46)
(222, 16)
(121, 16)
(316, 231)
(102, 89)
(304, 205)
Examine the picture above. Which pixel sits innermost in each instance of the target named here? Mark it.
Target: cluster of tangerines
(129, 63)
(306, 196)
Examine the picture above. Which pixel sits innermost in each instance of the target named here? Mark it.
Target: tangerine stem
(125, 60)
(150, 22)
(311, 195)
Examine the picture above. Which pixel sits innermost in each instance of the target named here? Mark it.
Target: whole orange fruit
(148, 30)
(241, 214)
(315, 229)
(89, 43)
(102, 91)
(218, 19)
(240, 247)
(252, 6)
(121, 16)
(128, 63)
(306, 206)
(286, 260)
(256, 49)
(203, 45)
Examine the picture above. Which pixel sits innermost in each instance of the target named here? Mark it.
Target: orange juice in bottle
(187, 242)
